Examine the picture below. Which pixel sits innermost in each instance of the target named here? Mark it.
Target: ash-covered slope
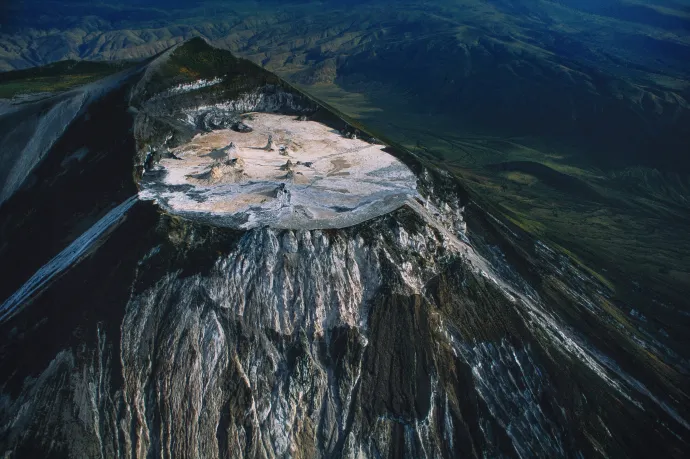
(430, 331)
(30, 128)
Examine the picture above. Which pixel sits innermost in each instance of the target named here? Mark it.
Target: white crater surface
(313, 177)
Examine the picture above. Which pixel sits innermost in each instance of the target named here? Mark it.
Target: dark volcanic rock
(398, 365)
(241, 127)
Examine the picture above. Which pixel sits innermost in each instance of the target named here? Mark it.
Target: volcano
(176, 285)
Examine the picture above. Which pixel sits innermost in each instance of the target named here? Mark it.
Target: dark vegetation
(197, 60)
(56, 77)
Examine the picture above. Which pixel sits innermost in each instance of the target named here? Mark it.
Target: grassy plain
(57, 77)
(624, 225)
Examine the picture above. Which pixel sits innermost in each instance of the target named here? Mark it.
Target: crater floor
(310, 177)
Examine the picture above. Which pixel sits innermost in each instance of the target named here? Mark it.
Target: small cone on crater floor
(228, 152)
(269, 145)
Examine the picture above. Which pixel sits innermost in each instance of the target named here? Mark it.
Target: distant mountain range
(611, 74)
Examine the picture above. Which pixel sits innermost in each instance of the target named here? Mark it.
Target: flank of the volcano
(285, 173)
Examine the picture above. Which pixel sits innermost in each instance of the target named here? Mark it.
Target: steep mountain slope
(30, 128)
(589, 92)
(434, 330)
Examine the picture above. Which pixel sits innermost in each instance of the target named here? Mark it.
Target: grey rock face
(278, 296)
(378, 340)
(224, 114)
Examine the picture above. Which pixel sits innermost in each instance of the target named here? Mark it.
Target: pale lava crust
(311, 178)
